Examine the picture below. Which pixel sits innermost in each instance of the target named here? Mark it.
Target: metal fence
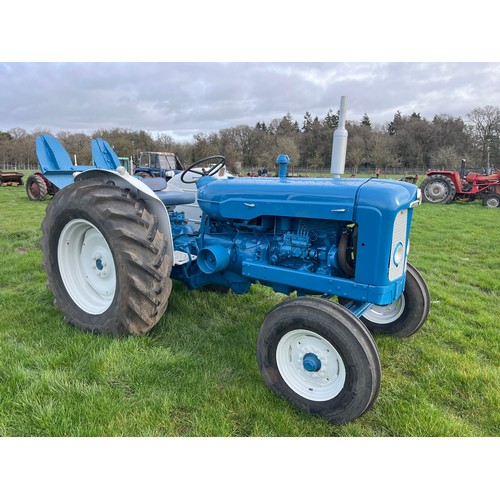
(324, 171)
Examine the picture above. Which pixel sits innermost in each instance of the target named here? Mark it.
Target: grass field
(196, 373)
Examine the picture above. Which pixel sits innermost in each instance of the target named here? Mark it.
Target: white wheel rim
(322, 384)
(383, 315)
(436, 191)
(87, 267)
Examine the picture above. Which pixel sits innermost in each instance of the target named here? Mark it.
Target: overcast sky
(182, 99)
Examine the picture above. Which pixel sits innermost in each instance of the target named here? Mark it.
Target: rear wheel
(320, 357)
(491, 201)
(438, 189)
(36, 189)
(106, 262)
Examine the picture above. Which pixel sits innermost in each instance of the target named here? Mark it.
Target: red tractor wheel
(438, 189)
(491, 201)
(36, 189)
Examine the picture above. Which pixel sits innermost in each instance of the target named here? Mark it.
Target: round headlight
(399, 252)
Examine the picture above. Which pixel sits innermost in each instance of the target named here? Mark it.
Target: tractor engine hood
(318, 198)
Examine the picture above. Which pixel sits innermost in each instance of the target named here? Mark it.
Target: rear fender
(124, 180)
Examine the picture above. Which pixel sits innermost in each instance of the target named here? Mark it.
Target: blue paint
(311, 362)
(282, 161)
(57, 167)
(286, 232)
(103, 155)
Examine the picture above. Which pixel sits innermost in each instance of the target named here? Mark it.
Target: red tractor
(445, 186)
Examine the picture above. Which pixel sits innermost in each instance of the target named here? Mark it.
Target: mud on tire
(106, 261)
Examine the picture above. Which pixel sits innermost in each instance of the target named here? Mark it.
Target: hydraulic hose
(344, 249)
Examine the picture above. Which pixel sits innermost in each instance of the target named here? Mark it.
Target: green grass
(196, 373)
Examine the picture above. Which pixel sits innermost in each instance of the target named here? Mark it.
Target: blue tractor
(156, 164)
(112, 246)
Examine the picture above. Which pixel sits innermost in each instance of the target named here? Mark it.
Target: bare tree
(165, 142)
(355, 155)
(381, 154)
(446, 157)
(485, 130)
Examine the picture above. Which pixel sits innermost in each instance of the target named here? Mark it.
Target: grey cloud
(186, 98)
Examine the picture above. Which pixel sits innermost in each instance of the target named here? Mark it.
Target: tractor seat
(154, 183)
(169, 198)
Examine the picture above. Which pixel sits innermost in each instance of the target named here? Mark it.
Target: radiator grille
(398, 235)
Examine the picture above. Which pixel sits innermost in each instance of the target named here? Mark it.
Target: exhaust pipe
(339, 147)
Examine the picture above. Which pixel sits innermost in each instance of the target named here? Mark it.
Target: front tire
(491, 201)
(319, 357)
(407, 314)
(106, 262)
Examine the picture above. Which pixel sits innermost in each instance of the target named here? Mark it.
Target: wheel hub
(87, 266)
(437, 191)
(386, 314)
(99, 265)
(310, 365)
(311, 362)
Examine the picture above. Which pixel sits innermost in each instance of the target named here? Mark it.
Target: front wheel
(407, 314)
(491, 201)
(320, 357)
(106, 262)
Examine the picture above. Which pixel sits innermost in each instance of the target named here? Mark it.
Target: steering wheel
(211, 170)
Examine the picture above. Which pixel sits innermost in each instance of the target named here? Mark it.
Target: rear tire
(320, 357)
(106, 262)
(36, 189)
(438, 189)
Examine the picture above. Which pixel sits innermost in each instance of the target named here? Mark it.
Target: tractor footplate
(181, 258)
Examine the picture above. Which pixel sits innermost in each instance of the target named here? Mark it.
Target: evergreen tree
(287, 126)
(331, 120)
(366, 121)
(396, 123)
(261, 126)
(5, 136)
(307, 122)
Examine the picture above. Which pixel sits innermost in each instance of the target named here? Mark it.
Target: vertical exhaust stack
(339, 147)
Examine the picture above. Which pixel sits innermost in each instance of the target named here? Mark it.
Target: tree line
(409, 143)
